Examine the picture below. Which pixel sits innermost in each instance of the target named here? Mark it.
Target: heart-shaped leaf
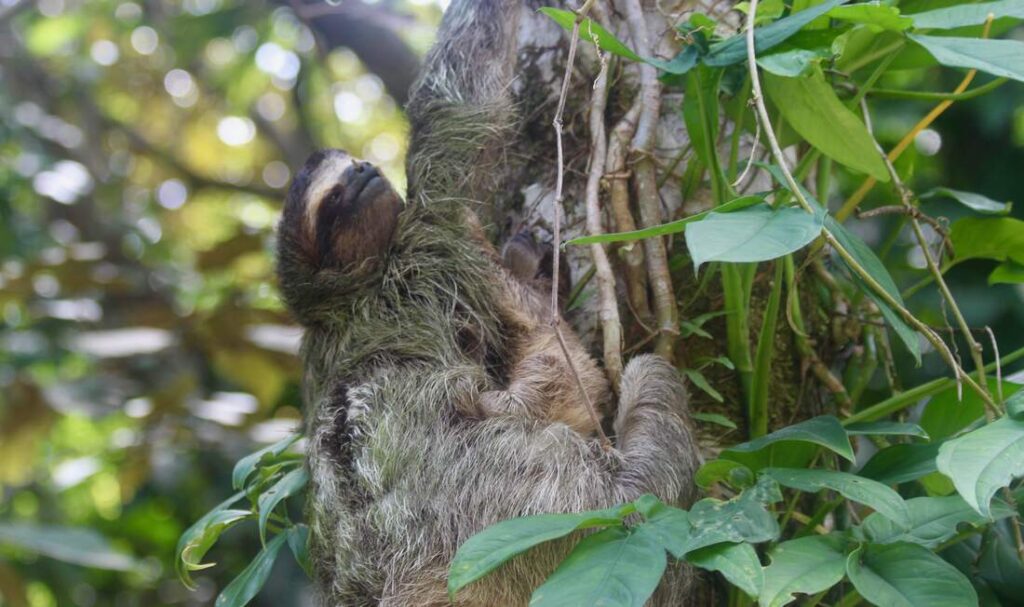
(756, 233)
(806, 565)
(737, 562)
(616, 566)
(933, 520)
(984, 460)
(907, 575)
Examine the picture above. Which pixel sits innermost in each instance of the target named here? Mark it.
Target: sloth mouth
(365, 183)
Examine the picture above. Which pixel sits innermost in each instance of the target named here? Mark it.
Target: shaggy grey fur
(398, 347)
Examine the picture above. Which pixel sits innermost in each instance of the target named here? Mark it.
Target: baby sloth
(540, 382)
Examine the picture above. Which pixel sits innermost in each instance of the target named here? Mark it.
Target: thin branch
(906, 199)
(556, 316)
(608, 305)
(645, 178)
(762, 112)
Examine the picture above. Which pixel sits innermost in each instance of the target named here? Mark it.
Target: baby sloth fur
(438, 402)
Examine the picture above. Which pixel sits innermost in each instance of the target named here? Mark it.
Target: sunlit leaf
(589, 31)
(988, 238)
(878, 16)
(1008, 273)
(758, 233)
(812, 108)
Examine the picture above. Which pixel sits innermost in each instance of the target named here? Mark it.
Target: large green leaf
(968, 14)
(886, 428)
(243, 588)
(855, 488)
(984, 460)
(737, 562)
(756, 233)
(672, 227)
(806, 565)
(901, 463)
(490, 548)
(289, 485)
(933, 520)
(998, 57)
(907, 575)
(248, 464)
(988, 238)
(700, 114)
(298, 542)
(812, 108)
(617, 567)
(875, 16)
(72, 545)
(975, 202)
(824, 430)
(952, 410)
(716, 470)
(589, 31)
(734, 49)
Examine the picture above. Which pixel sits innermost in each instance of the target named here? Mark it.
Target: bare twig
(762, 112)
(608, 305)
(632, 253)
(556, 316)
(646, 181)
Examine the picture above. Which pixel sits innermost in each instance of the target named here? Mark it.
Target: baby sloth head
(336, 229)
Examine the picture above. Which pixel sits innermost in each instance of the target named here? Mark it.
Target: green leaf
(69, 544)
(717, 470)
(734, 49)
(998, 57)
(668, 525)
(714, 418)
(1007, 273)
(1015, 405)
(907, 575)
(988, 238)
(698, 379)
(901, 463)
(589, 31)
(811, 107)
(984, 460)
(806, 565)
(298, 542)
(758, 233)
(489, 549)
(682, 63)
(673, 227)
(744, 518)
(967, 14)
(855, 488)
(737, 562)
(793, 62)
(197, 539)
(886, 428)
(243, 588)
(933, 520)
(976, 202)
(248, 464)
(289, 485)
(825, 431)
(876, 16)
(952, 410)
(614, 567)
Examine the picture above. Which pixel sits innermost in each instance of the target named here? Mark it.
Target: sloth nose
(362, 166)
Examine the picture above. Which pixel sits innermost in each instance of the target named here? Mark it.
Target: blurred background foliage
(144, 148)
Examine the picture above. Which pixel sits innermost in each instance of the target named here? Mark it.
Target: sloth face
(344, 211)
